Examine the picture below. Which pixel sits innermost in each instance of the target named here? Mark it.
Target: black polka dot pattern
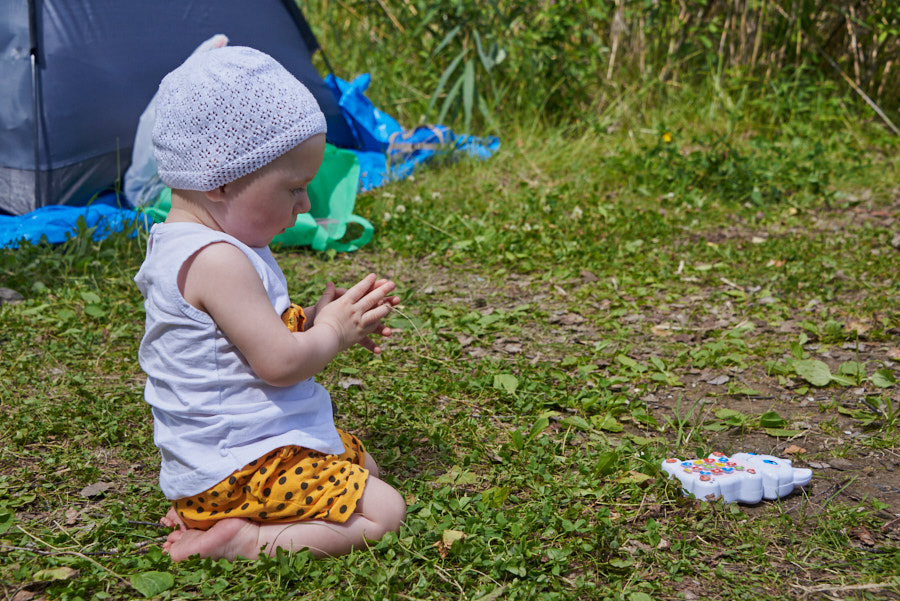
(289, 484)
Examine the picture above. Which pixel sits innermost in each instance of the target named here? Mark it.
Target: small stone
(8, 295)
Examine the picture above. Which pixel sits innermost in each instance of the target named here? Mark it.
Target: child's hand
(356, 313)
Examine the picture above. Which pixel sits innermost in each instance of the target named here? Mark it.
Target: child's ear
(217, 194)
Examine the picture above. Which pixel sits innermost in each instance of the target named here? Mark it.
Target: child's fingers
(360, 289)
(373, 316)
(369, 344)
(375, 289)
(376, 298)
(330, 293)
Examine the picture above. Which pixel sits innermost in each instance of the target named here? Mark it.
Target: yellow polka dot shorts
(290, 484)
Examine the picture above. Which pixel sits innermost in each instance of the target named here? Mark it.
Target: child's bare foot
(227, 539)
(173, 520)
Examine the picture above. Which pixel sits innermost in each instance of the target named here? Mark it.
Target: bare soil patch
(848, 465)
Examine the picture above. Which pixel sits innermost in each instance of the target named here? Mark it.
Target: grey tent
(75, 76)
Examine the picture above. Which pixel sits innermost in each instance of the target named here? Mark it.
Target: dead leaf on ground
(862, 534)
(569, 319)
(890, 525)
(632, 546)
(819, 465)
(96, 489)
(857, 327)
(72, 515)
(794, 450)
(464, 340)
(840, 463)
(510, 346)
(448, 539)
(662, 330)
(50, 574)
(350, 383)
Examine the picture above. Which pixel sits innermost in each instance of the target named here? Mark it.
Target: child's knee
(394, 511)
(370, 465)
(383, 505)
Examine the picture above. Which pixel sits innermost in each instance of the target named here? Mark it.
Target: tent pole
(37, 155)
(32, 32)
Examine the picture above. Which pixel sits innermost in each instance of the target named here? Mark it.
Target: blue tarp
(385, 150)
(386, 153)
(58, 222)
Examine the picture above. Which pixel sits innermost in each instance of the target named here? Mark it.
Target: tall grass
(470, 61)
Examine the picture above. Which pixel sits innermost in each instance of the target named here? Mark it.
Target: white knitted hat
(225, 113)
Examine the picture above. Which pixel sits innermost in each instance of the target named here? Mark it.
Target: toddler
(251, 458)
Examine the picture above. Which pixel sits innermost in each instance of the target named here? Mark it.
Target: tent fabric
(383, 149)
(396, 155)
(97, 63)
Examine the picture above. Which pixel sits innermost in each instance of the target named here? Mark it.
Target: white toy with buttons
(742, 477)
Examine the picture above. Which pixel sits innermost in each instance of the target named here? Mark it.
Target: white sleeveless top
(212, 414)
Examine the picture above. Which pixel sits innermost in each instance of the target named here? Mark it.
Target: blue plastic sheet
(371, 127)
(57, 223)
(386, 153)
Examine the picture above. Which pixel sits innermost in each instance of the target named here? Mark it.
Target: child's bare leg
(380, 510)
(370, 465)
(173, 520)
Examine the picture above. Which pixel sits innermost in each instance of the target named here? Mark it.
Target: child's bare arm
(221, 281)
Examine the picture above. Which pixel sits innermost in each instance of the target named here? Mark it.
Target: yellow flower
(667, 137)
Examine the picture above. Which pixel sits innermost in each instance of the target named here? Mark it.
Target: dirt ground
(848, 466)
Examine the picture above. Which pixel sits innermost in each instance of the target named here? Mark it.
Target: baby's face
(265, 203)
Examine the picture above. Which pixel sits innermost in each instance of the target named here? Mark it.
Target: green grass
(567, 305)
